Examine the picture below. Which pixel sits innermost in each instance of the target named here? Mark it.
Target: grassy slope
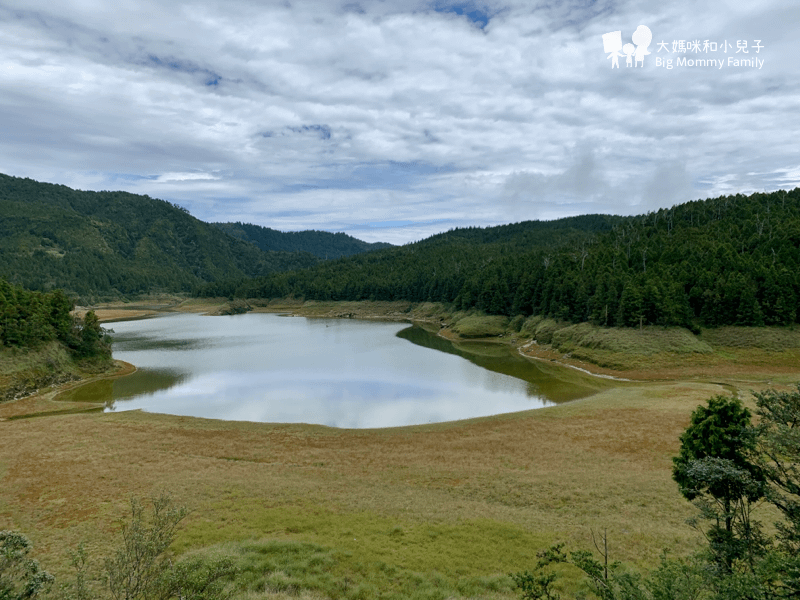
(24, 371)
(668, 353)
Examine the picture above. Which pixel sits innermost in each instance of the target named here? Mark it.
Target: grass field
(436, 511)
(461, 504)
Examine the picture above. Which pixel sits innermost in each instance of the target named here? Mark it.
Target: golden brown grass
(479, 496)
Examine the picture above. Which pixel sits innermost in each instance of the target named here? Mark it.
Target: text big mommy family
(718, 63)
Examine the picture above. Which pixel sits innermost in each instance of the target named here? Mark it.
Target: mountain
(731, 260)
(319, 243)
(112, 244)
(433, 269)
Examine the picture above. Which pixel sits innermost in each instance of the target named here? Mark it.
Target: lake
(338, 372)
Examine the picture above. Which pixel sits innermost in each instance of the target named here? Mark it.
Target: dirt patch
(393, 311)
(122, 314)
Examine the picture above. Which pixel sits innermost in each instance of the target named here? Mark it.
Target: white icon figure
(642, 38)
(612, 44)
(629, 49)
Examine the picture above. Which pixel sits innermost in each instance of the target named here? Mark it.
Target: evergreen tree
(715, 468)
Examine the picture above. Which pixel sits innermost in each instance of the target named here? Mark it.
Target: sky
(393, 121)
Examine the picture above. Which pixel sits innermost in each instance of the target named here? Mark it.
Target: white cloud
(170, 177)
(333, 115)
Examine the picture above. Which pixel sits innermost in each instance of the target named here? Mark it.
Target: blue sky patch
(376, 176)
(182, 66)
(477, 16)
(391, 174)
(323, 131)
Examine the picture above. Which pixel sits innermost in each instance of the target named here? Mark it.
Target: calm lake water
(337, 372)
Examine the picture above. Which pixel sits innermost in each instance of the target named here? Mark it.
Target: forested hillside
(434, 269)
(319, 243)
(727, 260)
(95, 244)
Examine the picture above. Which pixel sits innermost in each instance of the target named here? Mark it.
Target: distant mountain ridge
(323, 244)
(731, 260)
(433, 268)
(113, 244)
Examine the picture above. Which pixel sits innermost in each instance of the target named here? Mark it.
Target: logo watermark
(694, 54)
(612, 44)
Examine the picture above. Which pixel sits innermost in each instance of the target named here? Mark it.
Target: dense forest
(722, 261)
(323, 244)
(29, 319)
(727, 260)
(112, 244)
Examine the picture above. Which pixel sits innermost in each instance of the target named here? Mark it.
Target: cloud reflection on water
(337, 401)
(341, 373)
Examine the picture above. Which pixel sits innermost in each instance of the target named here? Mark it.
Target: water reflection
(108, 391)
(342, 373)
(146, 383)
(550, 381)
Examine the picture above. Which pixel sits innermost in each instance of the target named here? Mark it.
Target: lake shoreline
(45, 402)
(743, 364)
(358, 373)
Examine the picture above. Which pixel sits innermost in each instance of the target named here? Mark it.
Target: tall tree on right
(717, 470)
(778, 435)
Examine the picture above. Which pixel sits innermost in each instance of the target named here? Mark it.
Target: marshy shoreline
(740, 358)
(653, 353)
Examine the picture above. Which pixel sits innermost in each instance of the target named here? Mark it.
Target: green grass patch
(646, 341)
(478, 326)
(269, 568)
(480, 546)
(540, 329)
(47, 358)
(25, 370)
(274, 566)
(362, 555)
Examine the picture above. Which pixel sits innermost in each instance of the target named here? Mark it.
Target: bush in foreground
(21, 578)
